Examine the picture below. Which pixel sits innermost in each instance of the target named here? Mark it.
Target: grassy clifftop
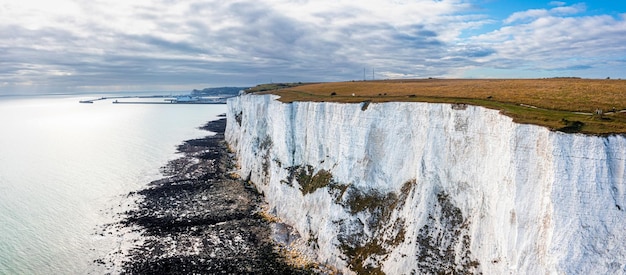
(589, 106)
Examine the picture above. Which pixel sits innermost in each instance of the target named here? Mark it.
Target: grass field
(562, 104)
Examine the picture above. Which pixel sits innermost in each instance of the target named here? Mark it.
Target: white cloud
(538, 13)
(529, 14)
(290, 39)
(552, 42)
(569, 10)
(557, 3)
(198, 42)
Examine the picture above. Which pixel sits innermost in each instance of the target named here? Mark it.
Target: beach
(197, 219)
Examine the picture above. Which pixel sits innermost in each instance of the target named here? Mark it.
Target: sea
(66, 169)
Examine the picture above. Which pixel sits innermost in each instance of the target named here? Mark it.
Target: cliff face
(406, 188)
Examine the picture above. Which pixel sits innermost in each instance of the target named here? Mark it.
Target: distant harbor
(178, 99)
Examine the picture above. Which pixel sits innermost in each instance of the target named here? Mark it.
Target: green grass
(560, 104)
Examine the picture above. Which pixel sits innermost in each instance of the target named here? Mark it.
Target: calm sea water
(66, 167)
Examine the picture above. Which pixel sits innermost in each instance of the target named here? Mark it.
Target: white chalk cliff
(416, 188)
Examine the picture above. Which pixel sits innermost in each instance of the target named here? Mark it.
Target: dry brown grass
(558, 101)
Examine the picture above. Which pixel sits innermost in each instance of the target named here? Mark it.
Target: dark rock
(197, 220)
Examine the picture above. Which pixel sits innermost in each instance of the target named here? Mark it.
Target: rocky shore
(198, 220)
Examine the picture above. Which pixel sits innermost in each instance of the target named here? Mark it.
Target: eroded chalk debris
(198, 220)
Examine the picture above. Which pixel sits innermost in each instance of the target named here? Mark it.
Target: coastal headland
(432, 188)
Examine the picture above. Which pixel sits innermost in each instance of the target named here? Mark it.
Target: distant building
(185, 98)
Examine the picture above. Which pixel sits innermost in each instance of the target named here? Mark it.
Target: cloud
(73, 44)
(556, 41)
(569, 10)
(538, 13)
(557, 3)
(137, 41)
(476, 51)
(575, 68)
(529, 14)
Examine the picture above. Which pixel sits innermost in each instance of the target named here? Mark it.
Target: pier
(169, 102)
(185, 99)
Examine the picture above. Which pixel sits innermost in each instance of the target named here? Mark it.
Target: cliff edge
(414, 188)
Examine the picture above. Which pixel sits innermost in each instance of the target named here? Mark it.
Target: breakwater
(149, 99)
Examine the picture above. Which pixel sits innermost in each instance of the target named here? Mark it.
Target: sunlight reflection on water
(65, 165)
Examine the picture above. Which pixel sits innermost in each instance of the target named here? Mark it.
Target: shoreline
(196, 219)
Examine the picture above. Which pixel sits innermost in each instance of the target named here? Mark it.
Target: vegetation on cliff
(590, 106)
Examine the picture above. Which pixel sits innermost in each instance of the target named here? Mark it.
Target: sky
(67, 46)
